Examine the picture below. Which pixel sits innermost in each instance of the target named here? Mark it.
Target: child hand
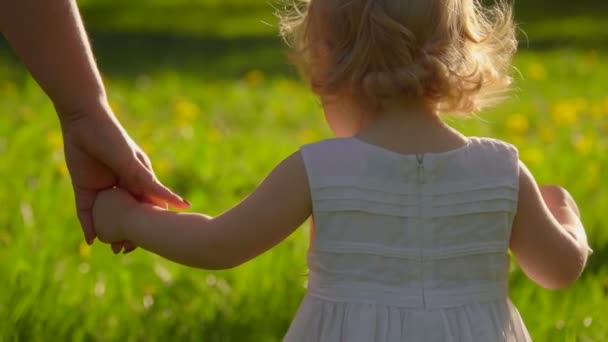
(110, 213)
(556, 197)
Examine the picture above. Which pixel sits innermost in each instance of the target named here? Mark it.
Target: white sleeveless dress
(409, 247)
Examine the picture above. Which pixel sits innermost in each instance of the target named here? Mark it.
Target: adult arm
(50, 39)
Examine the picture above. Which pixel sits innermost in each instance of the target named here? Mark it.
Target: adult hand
(99, 155)
(50, 39)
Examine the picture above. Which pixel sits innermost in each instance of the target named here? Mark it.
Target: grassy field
(215, 121)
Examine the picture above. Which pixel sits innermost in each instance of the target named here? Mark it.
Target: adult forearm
(50, 39)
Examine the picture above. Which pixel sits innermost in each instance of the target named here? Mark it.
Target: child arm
(279, 205)
(548, 237)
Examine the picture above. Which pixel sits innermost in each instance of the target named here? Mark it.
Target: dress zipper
(421, 180)
(420, 159)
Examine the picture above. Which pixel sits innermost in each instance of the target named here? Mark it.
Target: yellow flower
(55, 140)
(162, 167)
(583, 143)
(565, 113)
(62, 168)
(518, 124)
(537, 72)
(84, 250)
(254, 78)
(532, 156)
(186, 112)
(148, 147)
(306, 136)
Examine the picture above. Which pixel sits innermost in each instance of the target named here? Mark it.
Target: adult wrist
(97, 108)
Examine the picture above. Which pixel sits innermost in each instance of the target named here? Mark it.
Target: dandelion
(564, 113)
(186, 112)
(307, 135)
(84, 250)
(149, 147)
(518, 124)
(537, 72)
(62, 169)
(532, 156)
(162, 166)
(583, 143)
(55, 141)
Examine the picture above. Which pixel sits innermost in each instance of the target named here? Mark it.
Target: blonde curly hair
(455, 53)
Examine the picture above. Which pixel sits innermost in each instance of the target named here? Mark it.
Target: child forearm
(567, 216)
(564, 209)
(181, 237)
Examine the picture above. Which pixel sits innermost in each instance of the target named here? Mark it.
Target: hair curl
(455, 53)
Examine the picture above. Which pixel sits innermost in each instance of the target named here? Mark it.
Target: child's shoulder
(341, 144)
(326, 143)
(496, 144)
(495, 156)
(326, 148)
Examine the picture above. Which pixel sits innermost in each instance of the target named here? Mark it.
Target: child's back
(410, 247)
(407, 247)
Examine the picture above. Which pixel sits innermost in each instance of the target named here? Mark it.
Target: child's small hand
(110, 214)
(556, 197)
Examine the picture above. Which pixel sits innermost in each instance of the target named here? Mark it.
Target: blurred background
(205, 88)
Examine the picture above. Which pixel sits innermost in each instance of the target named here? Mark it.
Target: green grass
(214, 122)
